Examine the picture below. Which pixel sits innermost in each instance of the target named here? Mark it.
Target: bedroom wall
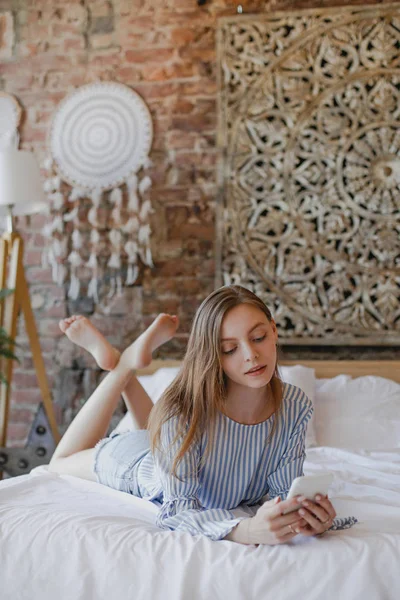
(165, 50)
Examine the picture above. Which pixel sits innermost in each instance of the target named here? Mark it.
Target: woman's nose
(250, 353)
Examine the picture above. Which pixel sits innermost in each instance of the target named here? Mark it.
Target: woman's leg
(74, 454)
(83, 333)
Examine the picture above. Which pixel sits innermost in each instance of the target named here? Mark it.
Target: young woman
(226, 435)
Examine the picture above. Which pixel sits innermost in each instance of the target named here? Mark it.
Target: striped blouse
(239, 471)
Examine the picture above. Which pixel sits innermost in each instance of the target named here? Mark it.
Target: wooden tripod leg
(24, 300)
(10, 316)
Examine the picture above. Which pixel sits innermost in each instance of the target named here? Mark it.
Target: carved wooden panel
(310, 174)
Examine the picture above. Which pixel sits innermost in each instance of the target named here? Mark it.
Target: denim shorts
(117, 459)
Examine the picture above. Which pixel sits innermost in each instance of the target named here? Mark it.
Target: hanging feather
(48, 185)
(59, 247)
(94, 236)
(71, 215)
(144, 234)
(131, 249)
(114, 261)
(92, 263)
(145, 184)
(93, 289)
(95, 197)
(57, 224)
(92, 217)
(132, 226)
(76, 194)
(56, 183)
(62, 273)
(116, 196)
(116, 216)
(133, 200)
(74, 287)
(57, 199)
(149, 258)
(76, 239)
(145, 210)
(75, 259)
(115, 237)
(48, 163)
(132, 274)
(47, 230)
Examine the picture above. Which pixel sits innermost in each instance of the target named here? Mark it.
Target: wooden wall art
(309, 135)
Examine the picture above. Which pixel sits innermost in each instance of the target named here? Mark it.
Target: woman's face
(248, 346)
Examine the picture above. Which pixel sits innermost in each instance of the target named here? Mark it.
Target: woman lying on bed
(226, 433)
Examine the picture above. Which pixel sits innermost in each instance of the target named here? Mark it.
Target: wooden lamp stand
(12, 276)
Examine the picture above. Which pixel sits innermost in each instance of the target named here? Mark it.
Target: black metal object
(38, 450)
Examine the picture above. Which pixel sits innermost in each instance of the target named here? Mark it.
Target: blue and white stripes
(242, 467)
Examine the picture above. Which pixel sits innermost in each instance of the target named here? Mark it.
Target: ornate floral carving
(310, 134)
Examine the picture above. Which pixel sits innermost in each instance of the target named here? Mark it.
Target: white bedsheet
(65, 538)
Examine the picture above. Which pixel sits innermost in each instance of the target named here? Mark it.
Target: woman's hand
(318, 515)
(271, 525)
(274, 523)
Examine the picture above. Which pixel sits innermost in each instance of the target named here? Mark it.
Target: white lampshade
(20, 184)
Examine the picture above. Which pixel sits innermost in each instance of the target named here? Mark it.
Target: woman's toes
(63, 325)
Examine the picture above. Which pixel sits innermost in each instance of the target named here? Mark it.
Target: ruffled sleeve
(291, 462)
(181, 509)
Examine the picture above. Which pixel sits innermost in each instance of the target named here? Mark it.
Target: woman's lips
(256, 373)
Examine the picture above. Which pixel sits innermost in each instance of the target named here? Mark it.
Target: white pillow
(361, 413)
(304, 378)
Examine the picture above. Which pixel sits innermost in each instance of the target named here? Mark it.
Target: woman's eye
(229, 351)
(260, 339)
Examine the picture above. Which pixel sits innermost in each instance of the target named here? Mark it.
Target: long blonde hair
(198, 392)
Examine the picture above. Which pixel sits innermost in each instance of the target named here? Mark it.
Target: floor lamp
(21, 193)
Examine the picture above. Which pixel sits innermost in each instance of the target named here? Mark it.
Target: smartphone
(310, 485)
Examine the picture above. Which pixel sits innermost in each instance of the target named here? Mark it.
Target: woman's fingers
(316, 510)
(293, 519)
(317, 523)
(326, 504)
(286, 506)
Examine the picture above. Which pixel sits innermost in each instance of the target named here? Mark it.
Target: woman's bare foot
(139, 354)
(83, 333)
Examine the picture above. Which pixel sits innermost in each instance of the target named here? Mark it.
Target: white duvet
(62, 538)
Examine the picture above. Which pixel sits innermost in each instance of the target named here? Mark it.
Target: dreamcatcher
(97, 184)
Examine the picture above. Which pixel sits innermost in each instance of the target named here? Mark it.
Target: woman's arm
(181, 509)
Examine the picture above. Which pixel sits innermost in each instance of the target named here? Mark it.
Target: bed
(66, 538)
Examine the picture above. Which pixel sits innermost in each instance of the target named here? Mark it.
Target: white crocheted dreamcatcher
(99, 142)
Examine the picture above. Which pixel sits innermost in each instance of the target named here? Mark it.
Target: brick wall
(165, 50)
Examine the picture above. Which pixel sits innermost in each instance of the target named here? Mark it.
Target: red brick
(21, 415)
(17, 434)
(26, 397)
(37, 274)
(6, 35)
(182, 36)
(24, 380)
(33, 257)
(147, 56)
